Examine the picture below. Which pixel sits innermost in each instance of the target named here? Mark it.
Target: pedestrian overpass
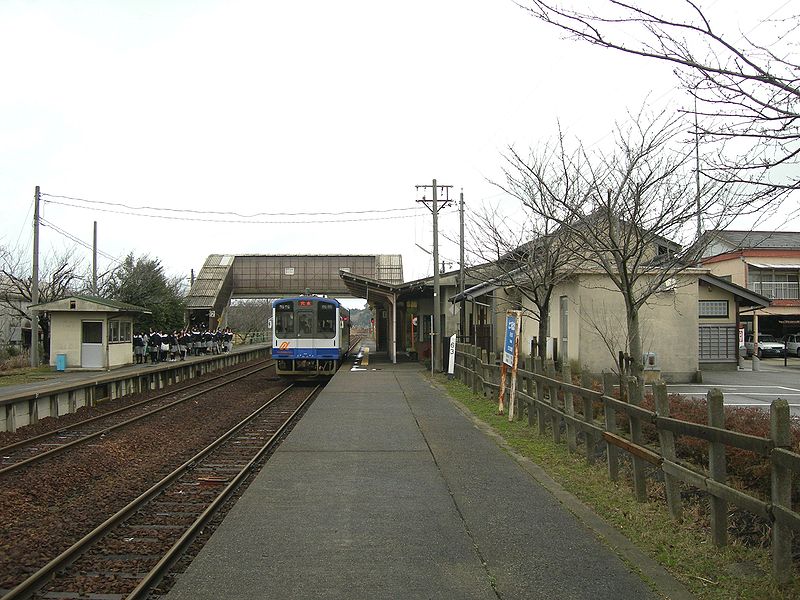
(224, 277)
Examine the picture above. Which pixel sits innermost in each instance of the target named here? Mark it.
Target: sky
(330, 111)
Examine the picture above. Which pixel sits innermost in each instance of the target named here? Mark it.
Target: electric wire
(79, 241)
(231, 213)
(236, 221)
(24, 224)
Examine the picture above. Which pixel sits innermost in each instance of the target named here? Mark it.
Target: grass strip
(684, 549)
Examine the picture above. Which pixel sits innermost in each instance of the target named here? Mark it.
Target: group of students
(170, 347)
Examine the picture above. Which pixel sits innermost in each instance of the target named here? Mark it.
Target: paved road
(748, 388)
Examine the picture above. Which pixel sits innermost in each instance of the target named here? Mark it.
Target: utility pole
(436, 354)
(35, 283)
(462, 319)
(697, 170)
(94, 260)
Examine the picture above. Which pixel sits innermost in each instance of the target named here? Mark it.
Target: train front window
(305, 324)
(284, 317)
(326, 320)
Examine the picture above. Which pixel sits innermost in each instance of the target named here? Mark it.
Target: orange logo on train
(284, 345)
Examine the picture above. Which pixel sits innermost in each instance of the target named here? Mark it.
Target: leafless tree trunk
(746, 84)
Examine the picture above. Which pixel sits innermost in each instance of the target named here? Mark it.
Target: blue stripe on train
(306, 353)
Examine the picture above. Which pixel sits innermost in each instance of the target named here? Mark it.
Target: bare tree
(247, 317)
(58, 277)
(747, 89)
(527, 256)
(632, 211)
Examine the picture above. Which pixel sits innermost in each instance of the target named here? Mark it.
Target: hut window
(72, 304)
(119, 331)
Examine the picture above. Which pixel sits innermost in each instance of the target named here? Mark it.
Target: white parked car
(767, 346)
(793, 344)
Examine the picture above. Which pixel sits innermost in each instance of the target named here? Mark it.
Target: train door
(305, 323)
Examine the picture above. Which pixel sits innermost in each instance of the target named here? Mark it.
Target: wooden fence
(552, 400)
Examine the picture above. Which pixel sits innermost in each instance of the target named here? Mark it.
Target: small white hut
(90, 332)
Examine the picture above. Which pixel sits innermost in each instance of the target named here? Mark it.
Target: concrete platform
(63, 379)
(385, 489)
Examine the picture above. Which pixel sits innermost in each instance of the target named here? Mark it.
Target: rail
(551, 399)
(54, 568)
(6, 451)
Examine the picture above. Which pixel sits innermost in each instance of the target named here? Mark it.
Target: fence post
(569, 408)
(539, 370)
(716, 467)
(476, 365)
(484, 370)
(552, 392)
(588, 416)
(639, 482)
(610, 414)
(781, 492)
(529, 388)
(666, 440)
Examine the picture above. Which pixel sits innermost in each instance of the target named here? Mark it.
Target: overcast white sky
(300, 107)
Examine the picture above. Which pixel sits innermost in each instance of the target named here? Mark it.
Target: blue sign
(511, 339)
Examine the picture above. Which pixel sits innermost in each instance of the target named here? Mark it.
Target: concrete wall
(120, 353)
(597, 328)
(735, 267)
(65, 335)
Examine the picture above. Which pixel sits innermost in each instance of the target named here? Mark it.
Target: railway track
(26, 452)
(128, 554)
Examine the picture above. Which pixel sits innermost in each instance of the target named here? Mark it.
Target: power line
(239, 221)
(78, 241)
(230, 213)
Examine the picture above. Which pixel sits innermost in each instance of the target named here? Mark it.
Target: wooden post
(569, 408)
(539, 370)
(588, 416)
(781, 492)
(501, 401)
(476, 365)
(639, 482)
(530, 388)
(552, 392)
(610, 414)
(484, 371)
(718, 472)
(666, 440)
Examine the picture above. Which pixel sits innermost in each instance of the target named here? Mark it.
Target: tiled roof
(760, 239)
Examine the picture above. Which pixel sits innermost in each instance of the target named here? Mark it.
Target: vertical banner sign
(509, 347)
(512, 403)
(451, 364)
(511, 338)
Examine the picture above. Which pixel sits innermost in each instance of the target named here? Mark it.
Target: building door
(92, 344)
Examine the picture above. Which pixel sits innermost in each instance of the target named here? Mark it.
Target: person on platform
(228, 339)
(184, 343)
(154, 346)
(138, 348)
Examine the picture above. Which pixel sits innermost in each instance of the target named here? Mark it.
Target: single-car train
(310, 336)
